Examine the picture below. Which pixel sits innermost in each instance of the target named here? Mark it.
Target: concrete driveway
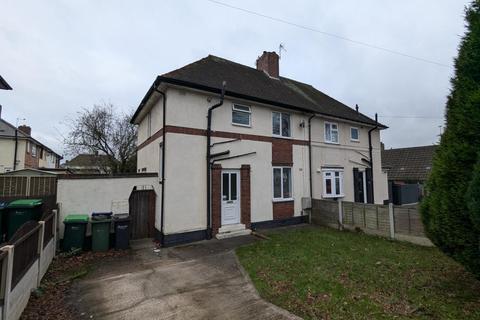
(199, 281)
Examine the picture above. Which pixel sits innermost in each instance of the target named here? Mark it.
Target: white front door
(230, 197)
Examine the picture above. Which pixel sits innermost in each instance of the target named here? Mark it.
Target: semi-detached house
(237, 148)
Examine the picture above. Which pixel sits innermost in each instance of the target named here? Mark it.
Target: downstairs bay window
(332, 183)
(282, 184)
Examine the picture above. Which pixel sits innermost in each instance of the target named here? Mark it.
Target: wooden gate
(142, 213)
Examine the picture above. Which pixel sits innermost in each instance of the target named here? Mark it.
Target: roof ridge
(414, 147)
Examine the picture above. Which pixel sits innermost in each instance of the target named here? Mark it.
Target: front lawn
(320, 273)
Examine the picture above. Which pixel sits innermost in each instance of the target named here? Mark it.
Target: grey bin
(122, 231)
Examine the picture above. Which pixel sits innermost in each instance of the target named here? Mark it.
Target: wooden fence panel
(48, 229)
(26, 251)
(325, 212)
(11, 186)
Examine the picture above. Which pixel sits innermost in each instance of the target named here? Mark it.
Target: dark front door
(358, 186)
(142, 213)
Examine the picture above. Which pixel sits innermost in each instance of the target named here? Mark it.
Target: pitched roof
(7, 130)
(249, 83)
(408, 163)
(87, 160)
(4, 85)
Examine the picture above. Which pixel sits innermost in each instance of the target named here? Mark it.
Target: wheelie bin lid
(76, 218)
(101, 216)
(25, 203)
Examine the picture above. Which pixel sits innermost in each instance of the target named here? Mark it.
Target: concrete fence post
(55, 231)
(41, 234)
(340, 214)
(391, 220)
(7, 279)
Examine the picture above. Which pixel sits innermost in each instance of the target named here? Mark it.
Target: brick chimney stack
(268, 62)
(25, 129)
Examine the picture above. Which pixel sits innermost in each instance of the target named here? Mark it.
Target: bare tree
(101, 130)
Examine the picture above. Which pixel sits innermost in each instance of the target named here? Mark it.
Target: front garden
(320, 273)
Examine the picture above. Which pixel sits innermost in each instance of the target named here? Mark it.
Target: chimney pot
(268, 62)
(25, 129)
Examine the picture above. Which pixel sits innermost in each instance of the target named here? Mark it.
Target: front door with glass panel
(230, 197)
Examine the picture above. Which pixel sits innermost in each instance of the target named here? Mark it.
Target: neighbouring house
(407, 170)
(19, 150)
(248, 159)
(88, 164)
(4, 85)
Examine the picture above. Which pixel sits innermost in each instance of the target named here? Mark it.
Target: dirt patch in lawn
(50, 300)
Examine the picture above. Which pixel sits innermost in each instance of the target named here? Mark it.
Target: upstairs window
(34, 150)
(241, 115)
(282, 183)
(281, 124)
(332, 183)
(354, 134)
(331, 132)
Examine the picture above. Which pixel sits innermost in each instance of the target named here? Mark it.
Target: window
(149, 125)
(354, 134)
(34, 150)
(282, 183)
(241, 115)
(281, 124)
(331, 132)
(332, 183)
(29, 147)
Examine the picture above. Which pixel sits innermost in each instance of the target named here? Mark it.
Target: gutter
(209, 165)
(370, 151)
(164, 98)
(239, 96)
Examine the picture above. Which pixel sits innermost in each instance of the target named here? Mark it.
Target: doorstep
(232, 230)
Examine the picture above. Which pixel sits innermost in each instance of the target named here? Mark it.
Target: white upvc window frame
(330, 125)
(34, 150)
(331, 174)
(249, 112)
(280, 135)
(282, 198)
(358, 134)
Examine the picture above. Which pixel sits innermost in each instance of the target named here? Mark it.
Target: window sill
(280, 137)
(282, 200)
(355, 141)
(333, 196)
(242, 125)
(331, 142)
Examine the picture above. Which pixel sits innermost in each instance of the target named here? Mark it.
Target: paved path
(200, 281)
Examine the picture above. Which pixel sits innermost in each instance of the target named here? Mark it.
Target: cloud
(63, 55)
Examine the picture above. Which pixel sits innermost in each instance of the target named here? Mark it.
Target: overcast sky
(60, 56)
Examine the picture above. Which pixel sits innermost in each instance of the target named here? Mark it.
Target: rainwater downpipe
(209, 166)
(370, 151)
(164, 98)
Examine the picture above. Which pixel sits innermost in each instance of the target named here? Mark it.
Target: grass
(320, 273)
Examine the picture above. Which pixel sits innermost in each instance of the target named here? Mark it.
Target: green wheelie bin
(3, 212)
(21, 211)
(101, 224)
(75, 228)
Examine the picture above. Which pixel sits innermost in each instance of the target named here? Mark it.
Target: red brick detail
(282, 152)
(219, 134)
(154, 137)
(245, 195)
(283, 210)
(216, 198)
(30, 161)
(268, 62)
